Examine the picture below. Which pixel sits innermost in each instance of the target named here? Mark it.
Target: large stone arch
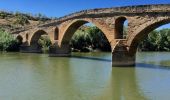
(143, 31)
(72, 26)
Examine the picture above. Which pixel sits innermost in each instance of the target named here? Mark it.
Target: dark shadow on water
(92, 58)
(143, 65)
(152, 66)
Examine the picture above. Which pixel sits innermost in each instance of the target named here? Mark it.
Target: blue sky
(58, 8)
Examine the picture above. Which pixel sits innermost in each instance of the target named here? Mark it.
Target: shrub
(3, 15)
(21, 20)
(90, 38)
(45, 43)
(7, 41)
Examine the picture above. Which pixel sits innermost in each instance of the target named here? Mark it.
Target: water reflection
(81, 77)
(92, 58)
(125, 86)
(154, 66)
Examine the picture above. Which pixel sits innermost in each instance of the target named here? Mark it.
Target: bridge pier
(30, 49)
(56, 51)
(122, 58)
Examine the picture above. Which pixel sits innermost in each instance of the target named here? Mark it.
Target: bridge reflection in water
(116, 84)
(125, 85)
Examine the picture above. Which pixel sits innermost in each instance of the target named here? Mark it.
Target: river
(85, 76)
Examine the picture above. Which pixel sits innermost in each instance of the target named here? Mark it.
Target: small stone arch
(119, 27)
(142, 32)
(19, 39)
(36, 36)
(56, 33)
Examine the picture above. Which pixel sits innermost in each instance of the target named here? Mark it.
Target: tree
(90, 37)
(157, 40)
(45, 43)
(6, 41)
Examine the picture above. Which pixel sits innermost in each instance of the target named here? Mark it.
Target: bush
(80, 40)
(3, 15)
(21, 20)
(88, 39)
(7, 41)
(45, 43)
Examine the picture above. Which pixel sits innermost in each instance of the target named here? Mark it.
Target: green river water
(84, 76)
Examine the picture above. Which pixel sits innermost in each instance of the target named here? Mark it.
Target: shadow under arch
(73, 27)
(141, 34)
(19, 39)
(15, 45)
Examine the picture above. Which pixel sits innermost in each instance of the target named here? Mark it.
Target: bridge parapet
(113, 10)
(103, 11)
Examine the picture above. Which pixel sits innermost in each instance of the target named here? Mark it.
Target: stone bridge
(141, 19)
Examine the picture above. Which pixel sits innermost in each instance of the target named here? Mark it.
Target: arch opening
(40, 41)
(84, 36)
(155, 37)
(121, 26)
(19, 39)
(157, 40)
(56, 34)
(16, 44)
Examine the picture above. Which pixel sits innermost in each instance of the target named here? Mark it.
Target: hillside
(12, 21)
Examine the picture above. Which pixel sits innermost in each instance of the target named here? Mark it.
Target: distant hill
(12, 21)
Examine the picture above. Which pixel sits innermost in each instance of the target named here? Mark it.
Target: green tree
(90, 37)
(157, 40)
(45, 43)
(98, 39)
(6, 41)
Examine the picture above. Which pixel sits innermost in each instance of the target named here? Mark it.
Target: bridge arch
(119, 27)
(19, 39)
(72, 27)
(56, 33)
(36, 36)
(142, 32)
